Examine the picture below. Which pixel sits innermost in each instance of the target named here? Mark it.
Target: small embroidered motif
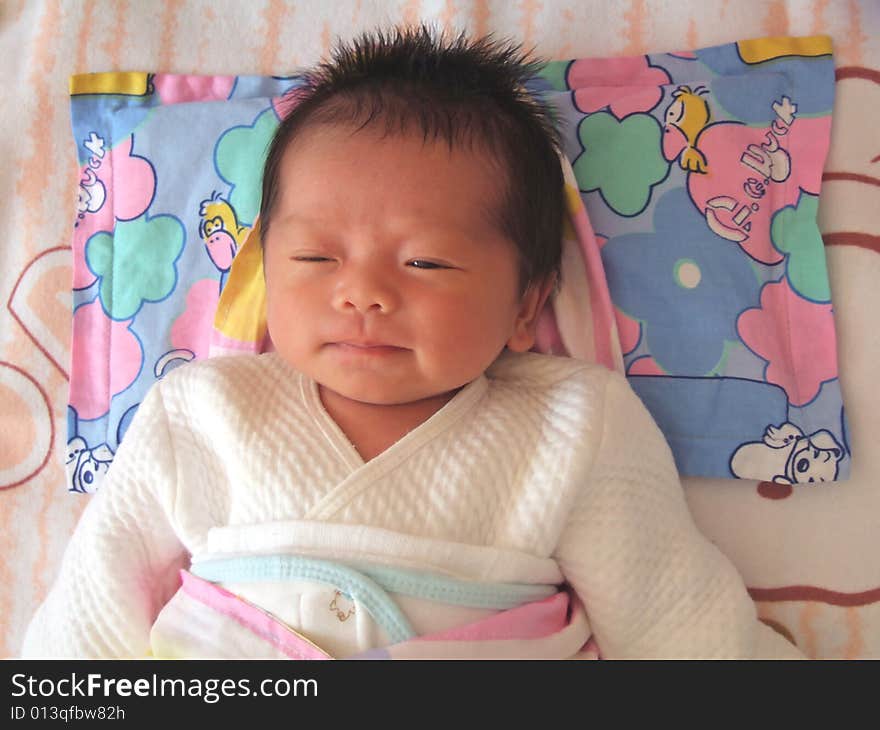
(340, 613)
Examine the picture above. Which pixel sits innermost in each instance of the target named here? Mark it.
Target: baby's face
(386, 281)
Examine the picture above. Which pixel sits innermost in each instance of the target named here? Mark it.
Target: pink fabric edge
(604, 326)
(222, 342)
(531, 621)
(250, 617)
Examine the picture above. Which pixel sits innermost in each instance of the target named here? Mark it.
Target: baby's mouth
(366, 348)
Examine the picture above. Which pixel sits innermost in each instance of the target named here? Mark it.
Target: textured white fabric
(548, 457)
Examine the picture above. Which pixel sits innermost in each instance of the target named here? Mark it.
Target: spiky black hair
(465, 92)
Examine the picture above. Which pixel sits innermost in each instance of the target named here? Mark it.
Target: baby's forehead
(333, 172)
(321, 141)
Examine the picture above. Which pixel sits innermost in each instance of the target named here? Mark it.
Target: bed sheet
(808, 555)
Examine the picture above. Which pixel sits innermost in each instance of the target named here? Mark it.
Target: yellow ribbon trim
(241, 311)
(131, 83)
(764, 49)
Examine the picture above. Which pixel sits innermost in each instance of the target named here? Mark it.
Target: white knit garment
(546, 456)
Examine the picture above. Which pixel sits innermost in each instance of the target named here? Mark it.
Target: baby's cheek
(470, 335)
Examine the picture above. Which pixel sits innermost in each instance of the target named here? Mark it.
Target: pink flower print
(107, 357)
(796, 337)
(624, 85)
(192, 329)
(180, 88)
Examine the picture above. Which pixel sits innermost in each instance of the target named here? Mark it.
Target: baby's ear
(531, 306)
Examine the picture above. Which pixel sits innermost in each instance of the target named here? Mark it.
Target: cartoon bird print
(685, 119)
(221, 232)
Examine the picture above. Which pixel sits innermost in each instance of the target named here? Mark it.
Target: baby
(402, 476)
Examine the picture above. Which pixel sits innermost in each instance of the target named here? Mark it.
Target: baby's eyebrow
(426, 228)
(299, 220)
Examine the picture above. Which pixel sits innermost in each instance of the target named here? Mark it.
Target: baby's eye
(422, 264)
(310, 258)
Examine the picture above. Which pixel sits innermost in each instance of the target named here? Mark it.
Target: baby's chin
(378, 384)
(381, 394)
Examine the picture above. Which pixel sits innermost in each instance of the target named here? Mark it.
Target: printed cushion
(699, 173)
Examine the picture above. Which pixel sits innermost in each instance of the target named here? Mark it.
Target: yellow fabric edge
(241, 311)
(765, 49)
(131, 83)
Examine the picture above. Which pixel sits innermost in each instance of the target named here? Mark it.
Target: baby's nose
(364, 291)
